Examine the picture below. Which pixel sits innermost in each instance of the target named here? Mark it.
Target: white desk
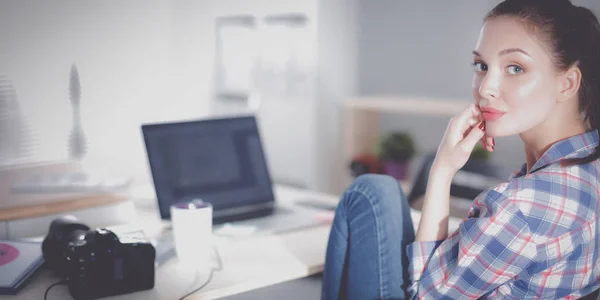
(247, 264)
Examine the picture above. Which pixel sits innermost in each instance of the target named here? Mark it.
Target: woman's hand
(464, 131)
(488, 142)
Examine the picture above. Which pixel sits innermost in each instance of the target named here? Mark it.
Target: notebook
(18, 261)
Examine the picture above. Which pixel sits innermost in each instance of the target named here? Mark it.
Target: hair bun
(585, 15)
(585, 12)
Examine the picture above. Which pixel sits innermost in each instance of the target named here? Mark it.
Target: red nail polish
(482, 126)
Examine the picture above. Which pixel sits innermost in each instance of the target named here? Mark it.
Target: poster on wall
(236, 52)
(286, 56)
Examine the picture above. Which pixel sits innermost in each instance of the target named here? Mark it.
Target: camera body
(97, 263)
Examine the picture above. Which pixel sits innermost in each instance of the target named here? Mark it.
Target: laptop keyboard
(282, 220)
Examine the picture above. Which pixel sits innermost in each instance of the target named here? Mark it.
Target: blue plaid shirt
(535, 236)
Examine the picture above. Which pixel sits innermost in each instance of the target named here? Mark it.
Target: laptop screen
(220, 161)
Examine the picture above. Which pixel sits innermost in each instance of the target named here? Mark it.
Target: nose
(490, 86)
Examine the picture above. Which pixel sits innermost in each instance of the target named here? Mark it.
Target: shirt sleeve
(482, 254)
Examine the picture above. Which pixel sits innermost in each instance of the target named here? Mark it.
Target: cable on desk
(212, 272)
(53, 285)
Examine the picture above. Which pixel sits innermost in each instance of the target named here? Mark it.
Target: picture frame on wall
(236, 54)
(287, 56)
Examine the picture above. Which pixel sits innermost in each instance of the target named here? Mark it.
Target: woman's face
(515, 83)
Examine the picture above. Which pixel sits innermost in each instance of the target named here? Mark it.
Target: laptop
(220, 161)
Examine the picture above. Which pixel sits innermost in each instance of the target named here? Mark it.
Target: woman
(537, 74)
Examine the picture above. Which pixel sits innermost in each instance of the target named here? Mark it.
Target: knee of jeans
(375, 181)
(376, 186)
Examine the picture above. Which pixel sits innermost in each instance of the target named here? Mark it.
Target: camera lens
(56, 246)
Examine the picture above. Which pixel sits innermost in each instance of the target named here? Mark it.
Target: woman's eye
(479, 66)
(514, 70)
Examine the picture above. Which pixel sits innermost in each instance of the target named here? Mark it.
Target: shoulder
(554, 200)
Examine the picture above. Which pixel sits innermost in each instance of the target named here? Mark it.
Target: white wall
(337, 82)
(135, 61)
(302, 135)
(145, 61)
(286, 124)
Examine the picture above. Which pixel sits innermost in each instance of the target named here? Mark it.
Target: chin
(497, 130)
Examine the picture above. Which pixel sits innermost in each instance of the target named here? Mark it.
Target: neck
(538, 139)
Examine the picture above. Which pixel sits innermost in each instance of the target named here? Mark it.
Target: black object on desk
(472, 179)
(97, 263)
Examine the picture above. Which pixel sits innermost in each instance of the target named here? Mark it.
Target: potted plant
(395, 150)
(365, 164)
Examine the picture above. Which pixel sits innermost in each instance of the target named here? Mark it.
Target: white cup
(192, 231)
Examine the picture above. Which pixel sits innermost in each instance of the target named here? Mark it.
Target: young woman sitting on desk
(537, 74)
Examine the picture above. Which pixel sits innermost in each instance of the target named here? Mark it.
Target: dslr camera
(96, 263)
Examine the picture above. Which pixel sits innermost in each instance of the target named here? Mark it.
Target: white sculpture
(77, 144)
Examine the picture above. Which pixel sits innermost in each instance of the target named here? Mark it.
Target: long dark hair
(572, 34)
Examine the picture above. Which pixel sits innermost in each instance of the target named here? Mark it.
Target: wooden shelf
(15, 206)
(409, 105)
(362, 118)
(60, 206)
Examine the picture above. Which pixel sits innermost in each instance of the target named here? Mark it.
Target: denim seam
(376, 214)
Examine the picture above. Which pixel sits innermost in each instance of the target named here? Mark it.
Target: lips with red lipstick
(491, 114)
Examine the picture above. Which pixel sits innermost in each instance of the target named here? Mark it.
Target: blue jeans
(366, 254)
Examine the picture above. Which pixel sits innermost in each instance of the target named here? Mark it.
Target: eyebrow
(506, 52)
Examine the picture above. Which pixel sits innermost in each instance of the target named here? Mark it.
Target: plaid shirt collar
(577, 146)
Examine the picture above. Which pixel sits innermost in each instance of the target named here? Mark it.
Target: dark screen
(220, 161)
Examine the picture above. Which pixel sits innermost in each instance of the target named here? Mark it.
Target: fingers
(473, 121)
(474, 136)
(487, 143)
(467, 119)
(490, 143)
